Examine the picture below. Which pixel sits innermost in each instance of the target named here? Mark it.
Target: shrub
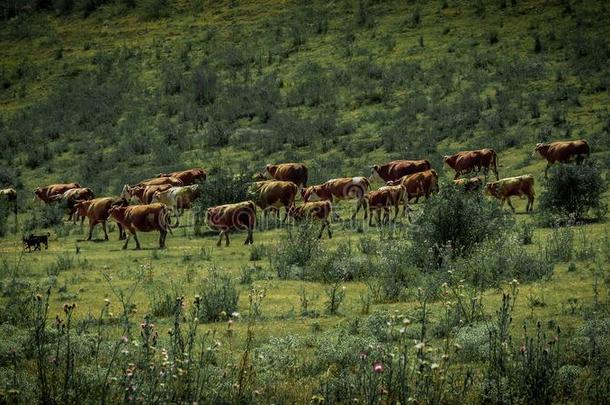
(457, 222)
(296, 250)
(205, 87)
(45, 216)
(155, 9)
(573, 190)
(219, 297)
(560, 244)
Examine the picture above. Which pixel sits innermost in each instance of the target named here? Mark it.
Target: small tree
(575, 191)
(455, 223)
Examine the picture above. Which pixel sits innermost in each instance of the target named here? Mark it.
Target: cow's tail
(166, 219)
(428, 164)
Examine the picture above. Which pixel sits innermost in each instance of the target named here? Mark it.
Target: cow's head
(491, 189)
(394, 182)
(375, 173)
(260, 176)
(37, 193)
(447, 160)
(310, 193)
(271, 169)
(540, 150)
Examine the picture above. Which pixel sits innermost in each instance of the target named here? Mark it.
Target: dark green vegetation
(111, 92)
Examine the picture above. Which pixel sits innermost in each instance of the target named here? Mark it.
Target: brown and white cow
(396, 169)
(143, 218)
(314, 210)
(98, 211)
(294, 172)
(471, 184)
(188, 177)
(226, 217)
(346, 188)
(382, 199)
(178, 198)
(468, 161)
(144, 194)
(519, 186)
(159, 181)
(273, 194)
(49, 193)
(10, 194)
(73, 196)
(562, 152)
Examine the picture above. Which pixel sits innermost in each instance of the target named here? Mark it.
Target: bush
(573, 191)
(45, 216)
(219, 297)
(456, 222)
(298, 247)
(155, 9)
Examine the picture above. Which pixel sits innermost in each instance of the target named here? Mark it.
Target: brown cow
(467, 161)
(562, 152)
(346, 188)
(471, 184)
(513, 186)
(396, 169)
(240, 215)
(188, 177)
(417, 185)
(273, 194)
(159, 181)
(384, 198)
(144, 194)
(144, 218)
(73, 196)
(98, 211)
(294, 172)
(48, 193)
(315, 210)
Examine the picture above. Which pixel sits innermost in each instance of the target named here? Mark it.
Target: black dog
(35, 241)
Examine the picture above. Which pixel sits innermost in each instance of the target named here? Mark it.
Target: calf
(421, 184)
(294, 172)
(98, 211)
(315, 210)
(384, 198)
(178, 198)
(144, 218)
(562, 152)
(396, 169)
(346, 188)
(188, 177)
(226, 217)
(273, 194)
(513, 186)
(72, 197)
(471, 184)
(49, 193)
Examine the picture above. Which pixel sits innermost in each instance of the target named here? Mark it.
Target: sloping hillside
(127, 92)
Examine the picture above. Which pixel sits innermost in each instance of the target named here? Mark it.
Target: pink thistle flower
(378, 368)
(125, 339)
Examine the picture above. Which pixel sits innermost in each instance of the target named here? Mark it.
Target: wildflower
(106, 302)
(406, 321)
(522, 349)
(38, 297)
(235, 314)
(363, 356)
(125, 339)
(433, 366)
(420, 345)
(378, 368)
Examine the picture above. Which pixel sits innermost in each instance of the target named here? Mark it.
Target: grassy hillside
(111, 92)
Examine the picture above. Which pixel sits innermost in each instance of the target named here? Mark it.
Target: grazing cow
(159, 181)
(143, 193)
(384, 198)
(240, 215)
(513, 186)
(315, 210)
(273, 194)
(467, 161)
(178, 198)
(294, 172)
(11, 196)
(346, 188)
(144, 218)
(188, 177)
(562, 152)
(72, 197)
(417, 185)
(396, 169)
(471, 184)
(48, 194)
(98, 211)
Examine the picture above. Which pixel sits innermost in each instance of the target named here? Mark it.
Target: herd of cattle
(279, 186)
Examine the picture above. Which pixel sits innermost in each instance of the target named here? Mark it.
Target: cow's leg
(135, 237)
(330, 235)
(91, 225)
(122, 234)
(370, 216)
(530, 203)
(105, 230)
(396, 209)
(546, 169)
(220, 239)
(226, 238)
(321, 230)
(126, 241)
(358, 204)
(510, 204)
(162, 235)
(364, 205)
